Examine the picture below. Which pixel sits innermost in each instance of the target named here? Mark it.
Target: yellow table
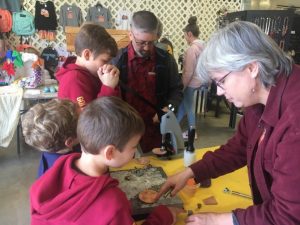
(237, 181)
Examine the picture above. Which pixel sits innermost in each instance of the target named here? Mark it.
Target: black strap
(159, 111)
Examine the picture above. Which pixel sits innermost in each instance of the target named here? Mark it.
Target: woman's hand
(175, 182)
(210, 219)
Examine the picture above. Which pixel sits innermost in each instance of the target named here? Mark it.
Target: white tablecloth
(10, 102)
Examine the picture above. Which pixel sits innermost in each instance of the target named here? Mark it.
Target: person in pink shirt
(190, 79)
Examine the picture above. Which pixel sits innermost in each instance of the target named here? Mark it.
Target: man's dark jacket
(168, 81)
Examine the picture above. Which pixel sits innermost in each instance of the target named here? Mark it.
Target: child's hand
(109, 75)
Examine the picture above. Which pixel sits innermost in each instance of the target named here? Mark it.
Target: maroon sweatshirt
(64, 196)
(77, 84)
(268, 142)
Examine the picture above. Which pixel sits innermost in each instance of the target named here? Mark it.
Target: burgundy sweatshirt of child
(63, 195)
(77, 84)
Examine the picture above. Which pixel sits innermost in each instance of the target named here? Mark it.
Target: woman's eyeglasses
(220, 83)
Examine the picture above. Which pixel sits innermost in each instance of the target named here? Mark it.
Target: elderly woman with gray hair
(252, 72)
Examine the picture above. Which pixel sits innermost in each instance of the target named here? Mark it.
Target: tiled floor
(18, 173)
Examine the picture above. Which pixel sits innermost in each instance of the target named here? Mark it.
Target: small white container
(189, 158)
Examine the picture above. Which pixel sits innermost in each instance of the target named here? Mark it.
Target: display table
(13, 102)
(236, 181)
(38, 94)
(10, 102)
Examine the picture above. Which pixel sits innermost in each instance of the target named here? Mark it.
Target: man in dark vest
(150, 71)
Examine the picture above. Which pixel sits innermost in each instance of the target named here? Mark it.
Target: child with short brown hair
(88, 75)
(109, 131)
(51, 128)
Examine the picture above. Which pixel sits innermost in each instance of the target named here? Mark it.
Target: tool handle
(241, 194)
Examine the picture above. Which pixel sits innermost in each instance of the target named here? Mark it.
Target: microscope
(172, 140)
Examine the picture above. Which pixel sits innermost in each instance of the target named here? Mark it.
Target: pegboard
(173, 14)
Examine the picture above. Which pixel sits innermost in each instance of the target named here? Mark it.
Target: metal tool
(168, 193)
(228, 191)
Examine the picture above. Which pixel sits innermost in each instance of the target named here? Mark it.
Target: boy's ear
(86, 54)
(69, 142)
(109, 152)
